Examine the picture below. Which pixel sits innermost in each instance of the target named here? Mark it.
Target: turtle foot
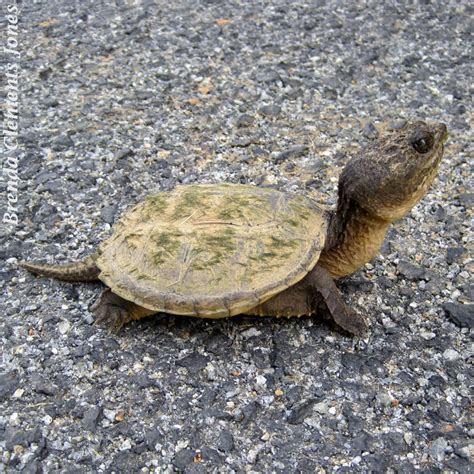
(110, 311)
(351, 321)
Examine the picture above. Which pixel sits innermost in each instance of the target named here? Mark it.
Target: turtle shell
(212, 250)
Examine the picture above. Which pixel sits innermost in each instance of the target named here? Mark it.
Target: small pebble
(64, 327)
(321, 408)
(451, 355)
(110, 414)
(438, 449)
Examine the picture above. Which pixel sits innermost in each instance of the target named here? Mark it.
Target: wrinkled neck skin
(354, 237)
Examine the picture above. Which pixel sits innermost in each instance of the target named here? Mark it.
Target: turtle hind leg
(113, 311)
(344, 316)
(84, 270)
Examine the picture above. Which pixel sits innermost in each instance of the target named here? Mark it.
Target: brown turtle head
(391, 175)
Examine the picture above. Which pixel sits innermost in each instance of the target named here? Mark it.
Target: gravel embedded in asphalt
(120, 101)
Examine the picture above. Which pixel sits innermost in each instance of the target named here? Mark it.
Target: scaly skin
(84, 270)
(377, 188)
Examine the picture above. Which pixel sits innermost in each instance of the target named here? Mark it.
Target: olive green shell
(212, 250)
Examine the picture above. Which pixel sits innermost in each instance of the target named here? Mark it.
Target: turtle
(219, 250)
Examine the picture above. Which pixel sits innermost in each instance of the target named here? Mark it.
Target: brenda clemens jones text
(10, 120)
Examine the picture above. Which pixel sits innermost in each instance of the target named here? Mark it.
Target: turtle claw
(343, 316)
(109, 314)
(351, 321)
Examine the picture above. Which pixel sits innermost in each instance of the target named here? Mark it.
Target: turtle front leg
(113, 311)
(344, 316)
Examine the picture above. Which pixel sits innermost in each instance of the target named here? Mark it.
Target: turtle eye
(423, 142)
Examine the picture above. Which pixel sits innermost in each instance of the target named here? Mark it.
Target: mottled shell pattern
(212, 250)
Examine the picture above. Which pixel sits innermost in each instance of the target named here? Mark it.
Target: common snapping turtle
(214, 251)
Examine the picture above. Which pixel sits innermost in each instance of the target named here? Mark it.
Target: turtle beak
(442, 135)
(442, 131)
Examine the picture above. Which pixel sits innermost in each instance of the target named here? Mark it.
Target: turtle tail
(84, 270)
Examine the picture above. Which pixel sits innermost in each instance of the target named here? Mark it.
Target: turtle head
(390, 176)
